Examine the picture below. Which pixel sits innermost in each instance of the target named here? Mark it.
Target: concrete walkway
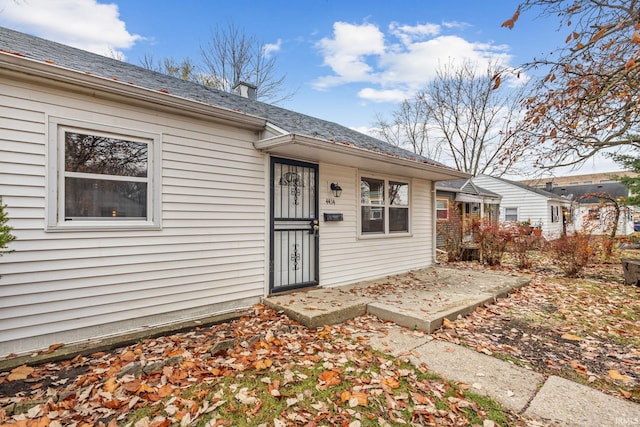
(421, 300)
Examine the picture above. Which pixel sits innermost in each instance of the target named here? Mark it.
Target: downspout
(434, 245)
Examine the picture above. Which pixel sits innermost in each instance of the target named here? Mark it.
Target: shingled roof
(56, 54)
(582, 191)
(538, 191)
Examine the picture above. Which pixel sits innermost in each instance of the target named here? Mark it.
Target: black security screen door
(294, 225)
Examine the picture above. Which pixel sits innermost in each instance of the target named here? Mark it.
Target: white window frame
(386, 206)
(55, 215)
(446, 208)
(517, 214)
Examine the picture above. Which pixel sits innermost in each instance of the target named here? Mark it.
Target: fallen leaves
(355, 398)
(329, 378)
(268, 365)
(616, 375)
(566, 327)
(20, 373)
(571, 337)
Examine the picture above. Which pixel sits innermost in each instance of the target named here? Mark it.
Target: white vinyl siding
(209, 257)
(345, 257)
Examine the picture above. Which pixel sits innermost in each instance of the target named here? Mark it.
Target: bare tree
(463, 116)
(231, 56)
(408, 129)
(587, 99)
(185, 70)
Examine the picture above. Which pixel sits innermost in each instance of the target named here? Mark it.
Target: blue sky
(347, 60)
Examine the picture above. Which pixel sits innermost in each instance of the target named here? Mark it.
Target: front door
(294, 225)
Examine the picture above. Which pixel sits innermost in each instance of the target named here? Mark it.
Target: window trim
(386, 206)
(55, 194)
(446, 208)
(517, 214)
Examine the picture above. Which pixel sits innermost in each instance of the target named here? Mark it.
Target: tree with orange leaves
(588, 99)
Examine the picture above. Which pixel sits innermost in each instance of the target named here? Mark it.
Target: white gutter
(22, 68)
(289, 140)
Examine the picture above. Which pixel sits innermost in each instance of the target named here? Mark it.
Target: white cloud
(270, 48)
(85, 24)
(400, 62)
(366, 130)
(411, 33)
(346, 53)
(382, 95)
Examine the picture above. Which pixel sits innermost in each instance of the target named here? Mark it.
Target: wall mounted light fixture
(336, 189)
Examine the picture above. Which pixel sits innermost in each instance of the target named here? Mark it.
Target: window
(442, 209)
(555, 213)
(102, 177)
(510, 214)
(384, 206)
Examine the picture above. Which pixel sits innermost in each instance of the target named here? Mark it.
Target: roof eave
(24, 68)
(314, 149)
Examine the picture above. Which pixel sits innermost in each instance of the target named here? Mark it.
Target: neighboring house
(466, 198)
(138, 199)
(521, 203)
(589, 213)
(573, 180)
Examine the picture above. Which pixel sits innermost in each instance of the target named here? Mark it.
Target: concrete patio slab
(318, 307)
(419, 299)
(572, 404)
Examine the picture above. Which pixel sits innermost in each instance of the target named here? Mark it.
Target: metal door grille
(294, 225)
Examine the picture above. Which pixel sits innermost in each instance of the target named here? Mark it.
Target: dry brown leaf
(262, 364)
(132, 386)
(616, 375)
(52, 348)
(571, 337)
(448, 324)
(420, 399)
(390, 383)
(20, 373)
(111, 385)
(330, 378)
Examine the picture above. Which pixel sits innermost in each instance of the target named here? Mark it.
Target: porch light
(336, 189)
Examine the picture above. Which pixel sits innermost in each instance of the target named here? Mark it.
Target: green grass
(304, 395)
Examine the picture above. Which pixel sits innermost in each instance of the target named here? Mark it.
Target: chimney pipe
(246, 90)
(548, 186)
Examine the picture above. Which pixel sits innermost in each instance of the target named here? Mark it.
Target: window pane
(398, 193)
(398, 219)
(102, 155)
(371, 191)
(511, 214)
(372, 220)
(96, 198)
(441, 204)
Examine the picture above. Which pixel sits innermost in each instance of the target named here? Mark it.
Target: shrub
(492, 238)
(522, 242)
(5, 230)
(571, 253)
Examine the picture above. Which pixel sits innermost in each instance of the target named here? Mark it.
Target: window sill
(103, 226)
(374, 236)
